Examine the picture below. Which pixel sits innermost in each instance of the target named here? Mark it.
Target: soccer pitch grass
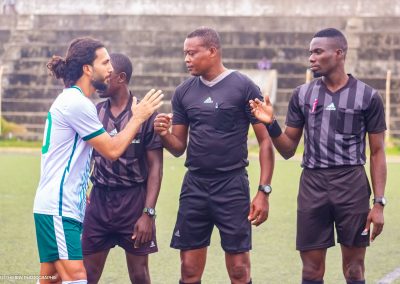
(274, 258)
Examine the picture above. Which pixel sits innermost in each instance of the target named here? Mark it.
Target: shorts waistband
(218, 174)
(137, 186)
(344, 167)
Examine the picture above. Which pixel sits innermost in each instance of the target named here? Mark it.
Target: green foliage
(11, 128)
(274, 258)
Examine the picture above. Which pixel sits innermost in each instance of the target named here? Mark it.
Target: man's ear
(341, 53)
(122, 77)
(87, 69)
(213, 51)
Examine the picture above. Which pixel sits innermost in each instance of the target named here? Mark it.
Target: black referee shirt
(218, 118)
(132, 167)
(335, 124)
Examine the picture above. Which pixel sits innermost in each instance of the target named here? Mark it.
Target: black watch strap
(379, 200)
(266, 188)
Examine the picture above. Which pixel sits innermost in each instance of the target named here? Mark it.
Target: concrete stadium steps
(378, 83)
(172, 38)
(33, 117)
(37, 65)
(39, 93)
(151, 80)
(184, 23)
(155, 43)
(35, 120)
(297, 54)
(27, 85)
(4, 37)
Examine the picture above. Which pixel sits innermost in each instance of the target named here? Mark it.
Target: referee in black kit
(336, 112)
(211, 119)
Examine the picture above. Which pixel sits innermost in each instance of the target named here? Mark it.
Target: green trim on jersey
(45, 147)
(79, 89)
(63, 176)
(94, 134)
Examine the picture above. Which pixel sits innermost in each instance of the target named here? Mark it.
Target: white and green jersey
(65, 165)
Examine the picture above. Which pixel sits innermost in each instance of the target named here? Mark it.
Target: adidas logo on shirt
(331, 106)
(177, 234)
(208, 100)
(136, 141)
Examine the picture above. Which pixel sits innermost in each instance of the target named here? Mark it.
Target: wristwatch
(150, 211)
(266, 188)
(380, 200)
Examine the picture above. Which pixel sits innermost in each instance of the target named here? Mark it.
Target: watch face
(265, 188)
(151, 211)
(381, 200)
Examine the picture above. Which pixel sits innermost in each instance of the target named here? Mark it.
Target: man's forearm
(267, 162)
(153, 186)
(378, 172)
(285, 146)
(121, 141)
(173, 144)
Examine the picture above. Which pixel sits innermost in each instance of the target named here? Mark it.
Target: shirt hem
(55, 213)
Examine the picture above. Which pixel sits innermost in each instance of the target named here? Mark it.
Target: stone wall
(154, 43)
(252, 8)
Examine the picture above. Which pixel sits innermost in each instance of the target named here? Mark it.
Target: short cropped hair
(122, 63)
(209, 36)
(335, 34)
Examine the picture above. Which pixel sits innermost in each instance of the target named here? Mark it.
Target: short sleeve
(252, 92)
(178, 110)
(81, 115)
(375, 115)
(295, 117)
(151, 139)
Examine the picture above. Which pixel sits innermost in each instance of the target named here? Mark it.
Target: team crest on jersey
(331, 106)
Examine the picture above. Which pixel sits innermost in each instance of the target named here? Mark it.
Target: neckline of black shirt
(349, 82)
(126, 109)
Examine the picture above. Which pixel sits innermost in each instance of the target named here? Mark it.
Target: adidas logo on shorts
(177, 234)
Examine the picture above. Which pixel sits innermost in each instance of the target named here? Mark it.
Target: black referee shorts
(222, 200)
(332, 197)
(110, 219)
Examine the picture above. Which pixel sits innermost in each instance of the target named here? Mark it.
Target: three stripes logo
(331, 106)
(208, 100)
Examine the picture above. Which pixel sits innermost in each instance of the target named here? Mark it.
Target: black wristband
(274, 129)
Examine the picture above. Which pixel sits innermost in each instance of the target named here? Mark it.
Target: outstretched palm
(263, 111)
(148, 105)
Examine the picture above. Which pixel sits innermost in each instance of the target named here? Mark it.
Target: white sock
(84, 281)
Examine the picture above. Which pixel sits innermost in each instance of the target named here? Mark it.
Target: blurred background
(267, 39)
